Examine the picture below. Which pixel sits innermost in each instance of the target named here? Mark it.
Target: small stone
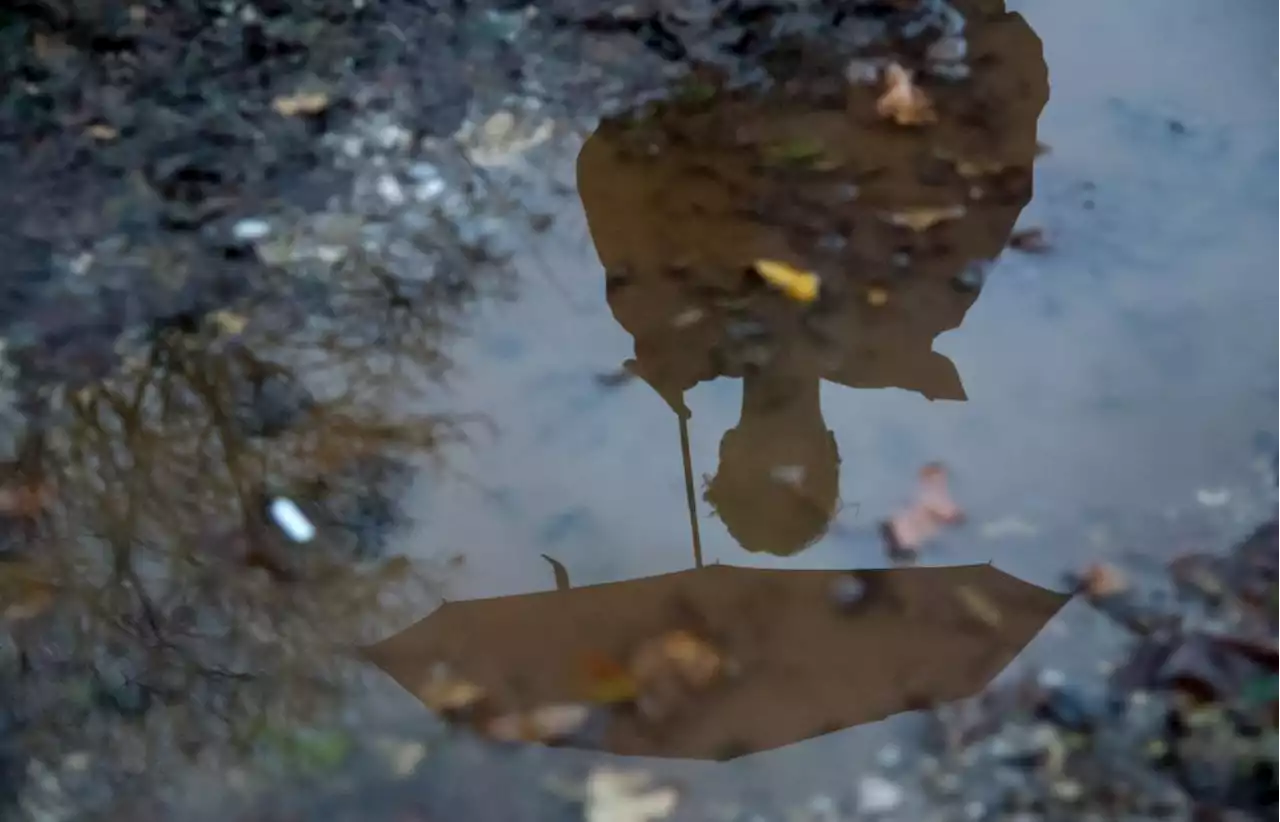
(847, 591)
(405, 757)
(250, 229)
(393, 136)
(890, 756)
(822, 808)
(877, 795)
(969, 280)
(428, 190)
(688, 317)
(390, 190)
(330, 254)
(877, 297)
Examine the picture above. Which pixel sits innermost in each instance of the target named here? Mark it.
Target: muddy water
(1088, 401)
(1115, 376)
(1102, 396)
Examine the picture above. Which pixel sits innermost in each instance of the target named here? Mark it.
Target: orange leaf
(607, 681)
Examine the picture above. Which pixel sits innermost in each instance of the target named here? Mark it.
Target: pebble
(390, 190)
(971, 279)
(250, 229)
(847, 591)
(877, 795)
(890, 756)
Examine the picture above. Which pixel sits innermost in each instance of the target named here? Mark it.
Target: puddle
(646, 403)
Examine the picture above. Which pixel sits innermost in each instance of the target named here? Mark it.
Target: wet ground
(530, 356)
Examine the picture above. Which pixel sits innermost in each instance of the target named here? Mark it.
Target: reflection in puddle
(683, 198)
(716, 662)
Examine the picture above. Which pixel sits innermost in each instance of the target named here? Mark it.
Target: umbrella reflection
(716, 662)
(682, 198)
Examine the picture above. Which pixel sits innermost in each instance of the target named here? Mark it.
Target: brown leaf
(546, 723)
(672, 668)
(903, 101)
(908, 529)
(680, 653)
(1101, 580)
(926, 217)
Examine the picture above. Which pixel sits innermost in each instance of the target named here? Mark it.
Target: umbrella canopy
(682, 197)
(781, 659)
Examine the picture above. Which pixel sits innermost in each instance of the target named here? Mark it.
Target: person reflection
(682, 197)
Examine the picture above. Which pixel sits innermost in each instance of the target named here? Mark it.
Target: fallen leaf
(300, 103)
(680, 653)
(978, 606)
(801, 286)
(935, 494)
(973, 169)
(670, 670)
(925, 217)
(445, 693)
(620, 796)
(547, 723)
(102, 132)
(877, 297)
(903, 101)
(907, 530)
(607, 682)
(228, 322)
(1030, 241)
(1101, 580)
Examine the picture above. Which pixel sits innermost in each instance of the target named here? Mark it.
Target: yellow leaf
(925, 218)
(303, 102)
(801, 286)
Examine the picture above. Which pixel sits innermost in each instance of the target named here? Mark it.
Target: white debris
(286, 514)
(620, 796)
(1213, 497)
(877, 795)
(390, 190)
(250, 229)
